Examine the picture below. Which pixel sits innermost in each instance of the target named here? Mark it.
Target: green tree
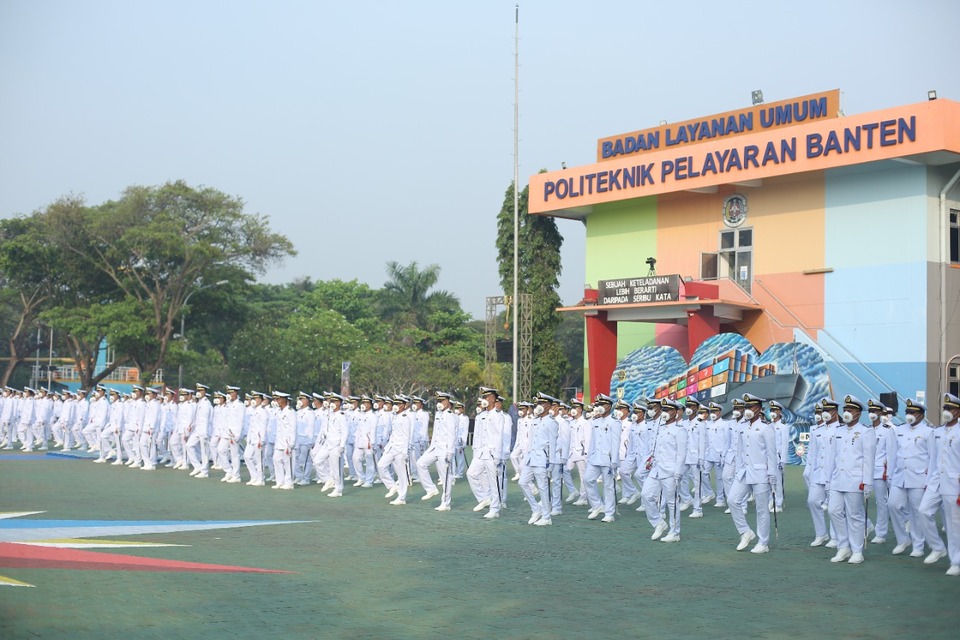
(539, 275)
(156, 244)
(407, 301)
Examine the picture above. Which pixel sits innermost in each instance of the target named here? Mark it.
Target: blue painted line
(26, 523)
(19, 457)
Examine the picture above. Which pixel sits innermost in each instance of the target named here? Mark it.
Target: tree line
(133, 271)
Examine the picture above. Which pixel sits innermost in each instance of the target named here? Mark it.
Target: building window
(734, 260)
(953, 377)
(954, 235)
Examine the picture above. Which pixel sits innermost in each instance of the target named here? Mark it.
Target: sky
(371, 132)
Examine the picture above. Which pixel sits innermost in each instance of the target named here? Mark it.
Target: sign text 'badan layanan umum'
(803, 134)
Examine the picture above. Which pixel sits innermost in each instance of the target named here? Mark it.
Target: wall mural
(727, 366)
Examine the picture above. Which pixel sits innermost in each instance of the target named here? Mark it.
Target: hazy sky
(377, 131)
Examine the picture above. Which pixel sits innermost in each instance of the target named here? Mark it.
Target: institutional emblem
(735, 210)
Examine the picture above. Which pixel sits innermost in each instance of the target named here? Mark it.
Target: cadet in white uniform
(229, 445)
(717, 441)
(815, 472)
(256, 438)
(757, 450)
(396, 452)
(947, 471)
(603, 459)
(943, 483)
(691, 471)
(912, 454)
(440, 452)
(286, 442)
(558, 473)
(629, 435)
(880, 415)
(364, 440)
(488, 454)
(541, 439)
(578, 453)
(335, 444)
(782, 433)
(149, 427)
(850, 463)
(668, 457)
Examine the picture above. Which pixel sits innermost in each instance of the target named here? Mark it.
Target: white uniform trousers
(229, 455)
(363, 465)
(716, 488)
(848, 517)
(6, 435)
(907, 500)
(198, 450)
(177, 447)
(816, 494)
(148, 449)
(691, 478)
(657, 492)
(131, 444)
(484, 479)
(929, 506)
(557, 475)
(880, 497)
(609, 502)
(40, 435)
(460, 458)
(778, 490)
(268, 469)
(283, 466)
(110, 440)
(253, 454)
(951, 518)
(738, 509)
(628, 468)
(334, 461)
(432, 455)
(528, 476)
(397, 459)
(302, 464)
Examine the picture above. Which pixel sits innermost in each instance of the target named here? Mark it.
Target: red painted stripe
(32, 557)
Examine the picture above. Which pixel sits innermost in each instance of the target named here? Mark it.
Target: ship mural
(727, 366)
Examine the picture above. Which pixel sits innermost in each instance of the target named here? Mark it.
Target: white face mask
(618, 414)
(737, 414)
(634, 417)
(847, 417)
(274, 404)
(552, 412)
(575, 413)
(484, 403)
(538, 410)
(688, 412)
(748, 414)
(818, 417)
(396, 408)
(947, 416)
(714, 416)
(885, 419)
(597, 412)
(911, 419)
(457, 411)
(325, 404)
(874, 416)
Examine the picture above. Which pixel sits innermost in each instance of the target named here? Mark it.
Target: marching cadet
(440, 452)
(148, 430)
(43, 412)
(651, 415)
(198, 442)
(317, 453)
(850, 463)
(253, 453)
(484, 473)
(782, 433)
(757, 473)
(81, 414)
(939, 484)
(541, 439)
(25, 426)
(112, 431)
(700, 422)
(63, 428)
(667, 459)
(396, 452)
(97, 415)
(629, 433)
(337, 432)
(815, 472)
(518, 455)
(302, 465)
(947, 471)
(418, 443)
(579, 443)
(463, 430)
(7, 425)
(691, 473)
(603, 458)
(879, 415)
(557, 473)
(183, 423)
(384, 425)
(134, 411)
(717, 441)
(912, 454)
(168, 418)
(286, 442)
(506, 434)
(365, 433)
(230, 436)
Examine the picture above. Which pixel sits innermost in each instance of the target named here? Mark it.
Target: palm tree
(406, 297)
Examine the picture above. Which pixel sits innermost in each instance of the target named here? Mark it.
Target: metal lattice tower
(525, 345)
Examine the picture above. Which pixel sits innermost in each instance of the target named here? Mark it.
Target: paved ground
(365, 569)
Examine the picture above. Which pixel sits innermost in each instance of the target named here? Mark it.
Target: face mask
(325, 404)
(737, 414)
(911, 419)
(874, 416)
(947, 416)
(597, 412)
(484, 403)
(651, 413)
(818, 417)
(553, 412)
(748, 414)
(885, 419)
(847, 417)
(538, 410)
(714, 416)
(274, 404)
(618, 414)
(688, 412)
(457, 411)
(396, 408)
(634, 417)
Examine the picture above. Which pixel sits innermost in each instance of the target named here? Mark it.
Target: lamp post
(183, 314)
